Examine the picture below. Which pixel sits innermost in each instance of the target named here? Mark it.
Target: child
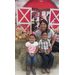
(44, 51)
(31, 48)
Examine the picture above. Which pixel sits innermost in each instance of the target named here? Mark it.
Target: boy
(44, 51)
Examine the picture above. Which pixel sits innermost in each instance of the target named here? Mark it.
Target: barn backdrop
(30, 14)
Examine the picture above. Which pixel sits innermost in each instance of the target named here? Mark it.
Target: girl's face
(31, 39)
(43, 26)
(44, 36)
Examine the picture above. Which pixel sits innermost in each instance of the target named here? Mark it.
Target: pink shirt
(31, 47)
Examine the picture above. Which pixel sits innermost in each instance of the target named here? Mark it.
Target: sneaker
(28, 70)
(48, 70)
(43, 70)
(33, 70)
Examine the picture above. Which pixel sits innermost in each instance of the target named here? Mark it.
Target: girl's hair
(47, 29)
(44, 32)
(32, 35)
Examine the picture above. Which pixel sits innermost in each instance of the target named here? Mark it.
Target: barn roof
(38, 4)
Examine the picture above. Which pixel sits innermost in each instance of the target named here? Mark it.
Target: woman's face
(43, 26)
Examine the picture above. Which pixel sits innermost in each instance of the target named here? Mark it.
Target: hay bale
(19, 45)
(21, 54)
(55, 63)
(23, 59)
(39, 61)
(56, 59)
(17, 50)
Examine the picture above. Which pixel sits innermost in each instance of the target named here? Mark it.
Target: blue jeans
(29, 59)
(46, 63)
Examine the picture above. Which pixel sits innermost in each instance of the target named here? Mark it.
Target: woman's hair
(44, 32)
(32, 35)
(47, 29)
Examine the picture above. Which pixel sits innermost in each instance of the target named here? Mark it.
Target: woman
(44, 27)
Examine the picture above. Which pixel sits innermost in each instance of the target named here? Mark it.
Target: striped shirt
(44, 45)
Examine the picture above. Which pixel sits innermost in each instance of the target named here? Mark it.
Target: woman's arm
(53, 40)
(52, 37)
(37, 39)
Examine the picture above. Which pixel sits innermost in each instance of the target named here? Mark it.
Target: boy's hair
(44, 32)
(32, 35)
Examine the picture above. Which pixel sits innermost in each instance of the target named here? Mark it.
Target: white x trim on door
(24, 16)
(56, 17)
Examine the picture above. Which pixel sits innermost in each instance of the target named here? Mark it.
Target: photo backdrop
(33, 11)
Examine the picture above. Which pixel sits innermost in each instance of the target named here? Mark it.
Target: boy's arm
(49, 49)
(41, 50)
(40, 47)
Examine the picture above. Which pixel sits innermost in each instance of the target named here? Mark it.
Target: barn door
(54, 18)
(24, 18)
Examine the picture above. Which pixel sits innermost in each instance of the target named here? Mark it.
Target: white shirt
(31, 47)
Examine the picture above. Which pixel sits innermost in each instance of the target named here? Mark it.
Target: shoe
(48, 70)
(33, 70)
(28, 70)
(43, 70)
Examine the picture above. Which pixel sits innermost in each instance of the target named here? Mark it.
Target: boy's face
(44, 36)
(32, 39)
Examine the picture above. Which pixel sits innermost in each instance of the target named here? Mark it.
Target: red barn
(39, 9)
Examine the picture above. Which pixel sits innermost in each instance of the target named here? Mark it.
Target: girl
(44, 51)
(31, 47)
